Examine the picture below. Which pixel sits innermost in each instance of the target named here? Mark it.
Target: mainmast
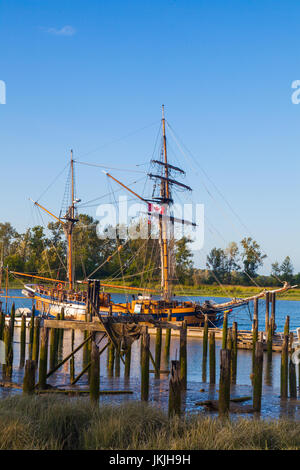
(165, 200)
(68, 228)
(165, 195)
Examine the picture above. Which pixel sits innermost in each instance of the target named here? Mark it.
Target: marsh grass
(73, 423)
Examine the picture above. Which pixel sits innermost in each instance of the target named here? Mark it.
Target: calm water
(271, 404)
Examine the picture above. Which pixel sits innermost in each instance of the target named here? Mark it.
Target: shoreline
(228, 291)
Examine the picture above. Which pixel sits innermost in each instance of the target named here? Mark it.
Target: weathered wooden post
(183, 355)
(117, 363)
(273, 311)
(205, 345)
(53, 350)
(254, 340)
(158, 341)
(145, 345)
(267, 312)
(31, 332)
(9, 352)
(212, 358)
(286, 330)
(95, 374)
(43, 359)
(127, 362)
(168, 339)
(269, 342)
(224, 333)
(224, 384)
(29, 377)
(255, 311)
(36, 340)
(2, 325)
(111, 360)
(174, 407)
(61, 330)
(229, 339)
(234, 352)
(292, 370)
(12, 320)
(284, 368)
(23, 341)
(72, 359)
(257, 372)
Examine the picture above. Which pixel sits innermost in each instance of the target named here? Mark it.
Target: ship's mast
(165, 195)
(68, 228)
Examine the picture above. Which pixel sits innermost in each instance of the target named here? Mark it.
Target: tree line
(42, 252)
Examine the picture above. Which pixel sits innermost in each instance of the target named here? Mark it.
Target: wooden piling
(168, 339)
(174, 406)
(9, 353)
(286, 330)
(61, 330)
(127, 362)
(183, 355)
(224, 384)
(284, 368)
(117, 363)
(31, 332)
(212, 358)
(255, 311)
(254, 340)
(273, 311)
(269, 342)
(267, 312)
(111, 360)
(234, 352)
(205, 346)
(53, 348)
(292, 370)
(72, 360)
(36, 340)
(158, 341)
(224, 331)
(145, 345)
(29, 377)
(95, 373)
(12, 320)
(43, 359)
(257, 372)
(23, 341)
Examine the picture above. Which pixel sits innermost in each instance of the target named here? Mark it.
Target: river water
(197, 391)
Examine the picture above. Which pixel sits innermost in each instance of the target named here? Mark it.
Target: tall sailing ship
(51, 295)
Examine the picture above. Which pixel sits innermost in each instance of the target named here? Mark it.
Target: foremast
(68, 222)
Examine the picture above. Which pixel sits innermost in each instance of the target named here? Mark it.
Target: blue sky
(84, 75)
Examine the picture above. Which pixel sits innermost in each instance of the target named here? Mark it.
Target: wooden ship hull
(51, 301)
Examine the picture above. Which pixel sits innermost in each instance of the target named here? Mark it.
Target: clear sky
(85, 74)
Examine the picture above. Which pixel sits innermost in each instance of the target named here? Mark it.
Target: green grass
(234, 291)
(58, 423)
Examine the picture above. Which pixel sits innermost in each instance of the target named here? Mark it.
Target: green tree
(275, 269)
(287, 269)
(252, 257)
(231, 261)
(183, 259)
(7, 237)
(216, 262)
